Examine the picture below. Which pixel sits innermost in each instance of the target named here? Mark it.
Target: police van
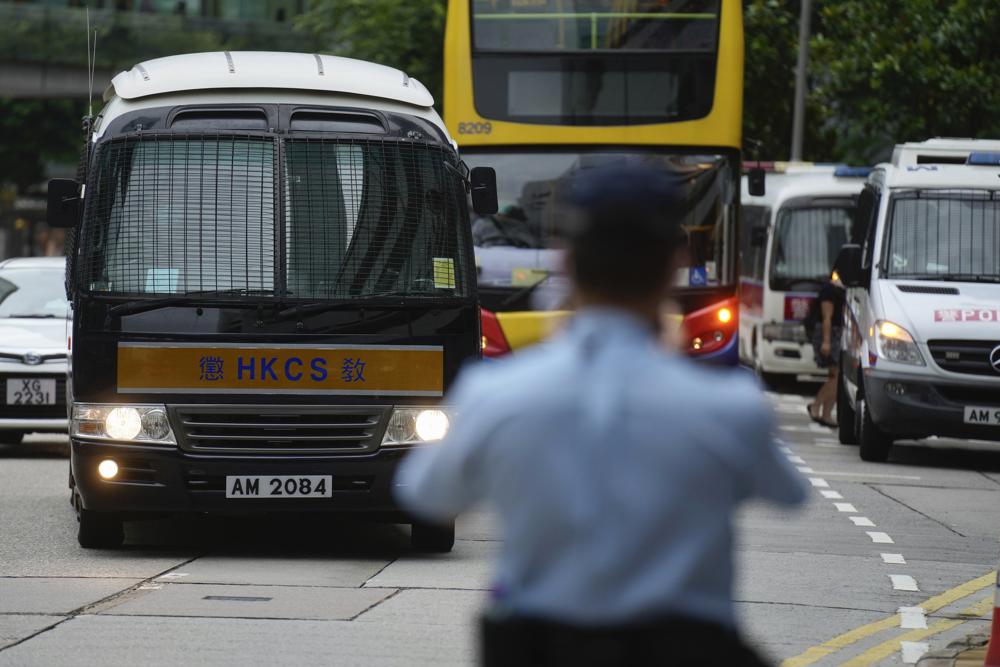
(921, 345)
(273, 286)
(790, 237)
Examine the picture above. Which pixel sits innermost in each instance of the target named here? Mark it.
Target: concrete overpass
(44, 80)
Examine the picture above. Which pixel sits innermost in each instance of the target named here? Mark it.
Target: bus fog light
(123, 424)
(107, 469)
(431, 425)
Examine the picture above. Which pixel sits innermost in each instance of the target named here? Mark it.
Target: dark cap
(628, 200)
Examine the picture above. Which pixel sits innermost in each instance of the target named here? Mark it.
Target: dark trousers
(680, 642)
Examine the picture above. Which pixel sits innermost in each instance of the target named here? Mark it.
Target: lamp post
(799, 114)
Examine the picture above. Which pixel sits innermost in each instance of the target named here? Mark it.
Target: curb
(965, 652)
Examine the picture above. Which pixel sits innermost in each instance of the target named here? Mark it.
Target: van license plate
(988, 416)
(31, 391)
(279, 486)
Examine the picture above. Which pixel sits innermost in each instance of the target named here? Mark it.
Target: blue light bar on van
(984, 159)
(843, 171)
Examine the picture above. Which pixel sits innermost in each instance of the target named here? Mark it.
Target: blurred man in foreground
(614, 466)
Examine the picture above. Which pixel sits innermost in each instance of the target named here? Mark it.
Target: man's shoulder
(724, 392)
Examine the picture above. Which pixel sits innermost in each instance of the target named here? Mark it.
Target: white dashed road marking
(903, 582)
(845, 507)
(862, 521)
(912, 618)
(832, 495)
(818, 482)
(913, 650)
(805, 469)
(796, 459)
(879, 538)
(893, 559)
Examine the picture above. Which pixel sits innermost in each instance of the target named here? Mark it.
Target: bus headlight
(894, 343)
(146, 424)
(414, 426)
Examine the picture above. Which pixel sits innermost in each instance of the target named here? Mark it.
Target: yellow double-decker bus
(540, 89)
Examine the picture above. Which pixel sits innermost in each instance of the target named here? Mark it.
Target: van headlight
(894, 343)
(414, 426)
(147, 424)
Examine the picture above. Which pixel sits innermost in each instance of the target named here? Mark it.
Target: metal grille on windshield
(298, 218)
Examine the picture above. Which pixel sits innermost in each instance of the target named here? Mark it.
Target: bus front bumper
(157, 481)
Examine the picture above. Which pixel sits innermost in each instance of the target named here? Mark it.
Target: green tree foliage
(904, 70)
(407, 35)
(33, 132)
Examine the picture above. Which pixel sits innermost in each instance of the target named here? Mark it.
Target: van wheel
(100, 530)
(845, 414)
(432, 538)
(875, 444)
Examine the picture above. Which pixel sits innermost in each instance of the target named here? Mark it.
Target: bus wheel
(845, 414)
(875, 444)
(11, 437)
(100, 530)
(432, 538)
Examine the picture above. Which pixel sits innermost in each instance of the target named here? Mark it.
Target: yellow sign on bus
(406, 370)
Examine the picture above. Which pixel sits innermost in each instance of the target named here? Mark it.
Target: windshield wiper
(359, 302)
(35, 316)
(145, 305)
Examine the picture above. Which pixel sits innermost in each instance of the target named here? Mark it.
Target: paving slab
(456, 609)
(126, 641)
(59, 595)
(469, 566)
(269, 571)
(275, 602)
(15, 627)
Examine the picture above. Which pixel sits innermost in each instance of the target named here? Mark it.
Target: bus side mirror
(758, 236)
(483, 182)
(63, 203)
(755, 182)
(848, 265)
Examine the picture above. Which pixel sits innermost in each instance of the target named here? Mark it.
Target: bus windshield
(590, 62)
(518, 246)
(945, 236)
(806, 243)
(319, 219)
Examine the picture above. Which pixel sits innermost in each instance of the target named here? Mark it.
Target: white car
(34, 331)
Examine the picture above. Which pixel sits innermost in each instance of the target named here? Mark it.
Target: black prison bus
(273, 286)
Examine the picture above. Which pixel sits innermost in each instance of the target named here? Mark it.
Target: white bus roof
(942, 177)
(267, 70)
(819, 182)
(940, 151)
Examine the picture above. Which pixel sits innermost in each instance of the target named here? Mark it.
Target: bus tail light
(494, 342)
(710, 329)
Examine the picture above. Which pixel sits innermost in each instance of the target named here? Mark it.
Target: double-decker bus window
(520, 244)
(592, 63)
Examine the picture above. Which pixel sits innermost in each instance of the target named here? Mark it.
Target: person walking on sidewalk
(614, 465)
(825, 324)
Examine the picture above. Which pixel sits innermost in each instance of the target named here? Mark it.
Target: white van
(921, 345)
(790, 238)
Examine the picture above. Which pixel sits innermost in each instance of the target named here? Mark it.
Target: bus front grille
(270, 430)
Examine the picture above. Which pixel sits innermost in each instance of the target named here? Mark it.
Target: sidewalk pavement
(969, 651)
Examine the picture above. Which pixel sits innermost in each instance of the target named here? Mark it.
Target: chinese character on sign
(211, 369)
(800, 308)
(353, 370)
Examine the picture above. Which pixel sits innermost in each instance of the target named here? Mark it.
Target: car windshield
(35, 293)
(945, 235)
(519, 247)
(806, 243)
(318, 219)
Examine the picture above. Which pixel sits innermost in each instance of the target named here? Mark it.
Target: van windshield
(945, 236)
(806, 243)
(292, 218)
